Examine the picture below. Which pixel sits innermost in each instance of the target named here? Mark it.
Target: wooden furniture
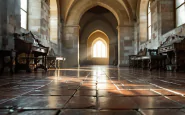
(147, 58)
(174, 48)
(32, 49)
(136, 60)
(7, 53)
(54, 61)
(153, 60)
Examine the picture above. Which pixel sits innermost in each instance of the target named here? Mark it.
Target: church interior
(92, 57)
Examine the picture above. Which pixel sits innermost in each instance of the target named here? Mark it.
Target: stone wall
(126, 43)
(39, 22)
(70, 45)
(162, 22)
(9, 22)
(45, 21)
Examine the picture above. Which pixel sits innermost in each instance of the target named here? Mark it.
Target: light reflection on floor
(93, 90)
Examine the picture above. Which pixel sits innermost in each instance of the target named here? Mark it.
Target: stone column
(71, 45)
(125, 44)
(9, 22)
(119, 52)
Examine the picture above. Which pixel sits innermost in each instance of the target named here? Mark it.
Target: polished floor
(93, 90)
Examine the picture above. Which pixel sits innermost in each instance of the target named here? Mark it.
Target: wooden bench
(54, 61)
(147, 58)
(136, 60)
(153, 60)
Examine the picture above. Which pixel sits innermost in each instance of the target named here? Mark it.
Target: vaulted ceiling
(121, 8)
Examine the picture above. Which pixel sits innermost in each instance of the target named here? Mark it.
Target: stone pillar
(119, 52)
(34, 15)
(71, 45)
(9, 22)
(125, 44)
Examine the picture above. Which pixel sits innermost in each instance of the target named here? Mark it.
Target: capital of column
(123, 26)
(72, 26)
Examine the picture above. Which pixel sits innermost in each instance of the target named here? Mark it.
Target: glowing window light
(180, 10)
(23, 10)
(99, 49)
(149, 22)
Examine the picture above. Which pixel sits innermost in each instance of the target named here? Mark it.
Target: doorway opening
(98, 48)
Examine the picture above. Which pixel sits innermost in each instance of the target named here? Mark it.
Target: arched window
(53, 21)
(99, 49)
(180, 12)
(149, 21)
(24, 13)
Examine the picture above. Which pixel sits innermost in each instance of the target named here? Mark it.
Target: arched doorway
(101, 23)
(87, 15)
(98, 48)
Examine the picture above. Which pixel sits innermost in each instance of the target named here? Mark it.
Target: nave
(93, 90)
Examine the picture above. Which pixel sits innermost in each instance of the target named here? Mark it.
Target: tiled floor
(93, 90)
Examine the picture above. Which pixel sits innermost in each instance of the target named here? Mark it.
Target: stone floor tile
(164, 92)
(5, 98)
(94, 90)
(85, 93)
(81, 102)
(138, 93)
(163, 112)
(154, 102)
(53, 92)
(104, 86)
(4, 112)
(116, 103)
(37, 102)
(88, 87)
(105, 93)
(119, 112)
(36, 112)
(178, 99)
(78, 112)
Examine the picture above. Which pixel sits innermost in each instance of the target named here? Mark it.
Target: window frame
(106, 48)
(21, 9)
(176, 8)
(149, 26)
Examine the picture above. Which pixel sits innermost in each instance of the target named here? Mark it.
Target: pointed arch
(98, 48)
(96, 32)
(124, 4)
(76, 12)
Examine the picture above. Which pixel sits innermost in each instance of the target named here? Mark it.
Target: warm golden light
(53, 21)
(23, 10)
(99, 49)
